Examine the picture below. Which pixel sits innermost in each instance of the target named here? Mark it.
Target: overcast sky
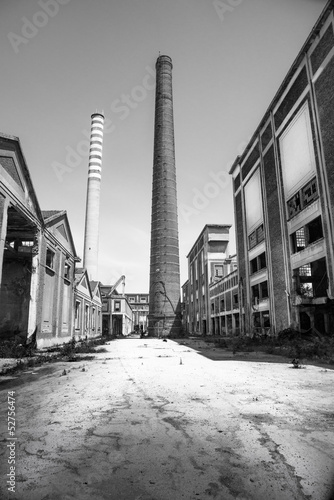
(65, 60)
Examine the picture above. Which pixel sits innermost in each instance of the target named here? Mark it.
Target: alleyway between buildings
(155, 420)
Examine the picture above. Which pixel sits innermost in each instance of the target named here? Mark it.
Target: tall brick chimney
(164, 318)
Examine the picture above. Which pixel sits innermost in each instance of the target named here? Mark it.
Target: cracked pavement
(154, 420)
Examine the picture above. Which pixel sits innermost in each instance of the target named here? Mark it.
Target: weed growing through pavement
(289, 343)
(29, 357)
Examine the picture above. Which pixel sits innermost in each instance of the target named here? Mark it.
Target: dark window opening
(260, 291)
(312, 280)
(257, 320)
(306, 235)
(253, 266)
(49, 258)
(315, 230)
(264, 290)
(255, 294)
(262, 261)
(266, 319)
(258, 263)
(261, 319)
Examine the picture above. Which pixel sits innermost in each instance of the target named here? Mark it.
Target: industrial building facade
(139, 303)
(37, 262)
(224, 303)
(284, 199)
(117, 315)
(208, 261)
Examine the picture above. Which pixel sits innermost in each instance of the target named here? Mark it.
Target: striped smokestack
(164, 305)
(91, 244)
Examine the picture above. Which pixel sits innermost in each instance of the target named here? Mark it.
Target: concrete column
(4, 203)
(164, 304)
(34, 285)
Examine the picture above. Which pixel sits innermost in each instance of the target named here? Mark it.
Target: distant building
(224, 305)
(88, 306)
(284, 198)
(185, 307)
(117, 315)
(139, 303)
(207, 262)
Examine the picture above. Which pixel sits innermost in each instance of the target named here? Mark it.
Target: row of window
(225, 285)
(132, 300)
(50, 263)
(226, 324)
(90, 319)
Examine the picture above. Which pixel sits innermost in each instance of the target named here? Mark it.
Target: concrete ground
(155, 420)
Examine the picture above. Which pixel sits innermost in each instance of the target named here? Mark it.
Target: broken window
(300, 239)
(266, 319)
(260, 291)
(312, 279)
(258, 263)
(305, 270)
(261, 319)
(307, 235)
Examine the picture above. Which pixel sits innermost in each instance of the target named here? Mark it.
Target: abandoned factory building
(284, 198)
(37, 262)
